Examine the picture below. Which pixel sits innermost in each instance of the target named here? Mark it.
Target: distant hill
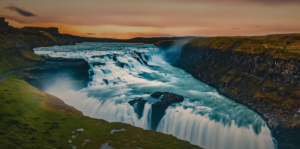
(16, 50)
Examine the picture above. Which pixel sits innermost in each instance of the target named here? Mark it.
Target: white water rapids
(204, 118)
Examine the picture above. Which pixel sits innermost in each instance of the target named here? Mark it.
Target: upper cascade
(123, 88)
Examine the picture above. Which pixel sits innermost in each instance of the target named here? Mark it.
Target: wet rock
(140, 57)
(156, 94)
(167, 97)
(97, 56)
(138, 105)
(171, 98)
(159, 108)
(121, 64)
(98, 64)
(110, 56)
(106, 81)
(45, 73)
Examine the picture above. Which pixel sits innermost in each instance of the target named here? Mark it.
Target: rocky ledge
(158, 108)
(256, 72)
(52, 70)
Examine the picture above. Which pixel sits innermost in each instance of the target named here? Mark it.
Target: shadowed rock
(140, 58)
(72, 71)
(156, 94)
(138, 104)
(159, 108)
(110, 56)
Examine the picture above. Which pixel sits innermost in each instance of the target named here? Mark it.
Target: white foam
(205, 118)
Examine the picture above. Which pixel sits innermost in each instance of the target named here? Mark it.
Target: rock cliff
(73, 72)
(262, 73)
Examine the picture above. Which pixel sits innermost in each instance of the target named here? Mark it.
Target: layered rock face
(264, 83)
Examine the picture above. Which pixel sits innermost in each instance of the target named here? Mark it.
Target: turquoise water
(205, 118)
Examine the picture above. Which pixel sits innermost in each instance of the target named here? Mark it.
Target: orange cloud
(126, 19)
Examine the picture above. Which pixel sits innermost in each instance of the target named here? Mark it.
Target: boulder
(156, 94)
(138, 105)
(159, 108)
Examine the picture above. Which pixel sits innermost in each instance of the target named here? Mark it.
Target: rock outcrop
(158, 108)
(139, 58)
(138, 104)
(74, 72)
(256, 73)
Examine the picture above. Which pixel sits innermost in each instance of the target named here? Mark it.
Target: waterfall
(123, 72)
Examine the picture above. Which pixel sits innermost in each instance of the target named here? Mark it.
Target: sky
(125, 19)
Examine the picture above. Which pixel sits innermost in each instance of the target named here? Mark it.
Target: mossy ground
(13, 58)
(49, 36)
(30, 118)
(276, 46)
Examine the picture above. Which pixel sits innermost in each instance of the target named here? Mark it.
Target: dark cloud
(90, 33)
(21, 11)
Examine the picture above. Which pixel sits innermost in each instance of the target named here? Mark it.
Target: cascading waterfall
(121, 72)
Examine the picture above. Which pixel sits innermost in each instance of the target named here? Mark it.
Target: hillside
(30, 118)
(16, 50)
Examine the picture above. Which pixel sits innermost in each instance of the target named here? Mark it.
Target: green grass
(13, 58)
(276, 46)
(30, 118)
(49, 36)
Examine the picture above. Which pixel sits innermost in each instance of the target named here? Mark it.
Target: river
(121, 72)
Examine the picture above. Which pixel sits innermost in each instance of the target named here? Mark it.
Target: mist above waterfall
(121, 72)
(172, 53)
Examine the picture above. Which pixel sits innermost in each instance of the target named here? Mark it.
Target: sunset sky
(148, 18)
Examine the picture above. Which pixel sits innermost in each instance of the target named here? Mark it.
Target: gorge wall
(262, 73)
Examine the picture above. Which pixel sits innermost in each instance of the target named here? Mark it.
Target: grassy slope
(31, 118)
(12, 58)
(277, 46)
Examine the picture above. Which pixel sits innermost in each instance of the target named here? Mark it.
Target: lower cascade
(123, 78)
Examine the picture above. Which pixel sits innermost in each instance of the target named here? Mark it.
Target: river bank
(31, 118)
(259, 72)
(123, 79)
